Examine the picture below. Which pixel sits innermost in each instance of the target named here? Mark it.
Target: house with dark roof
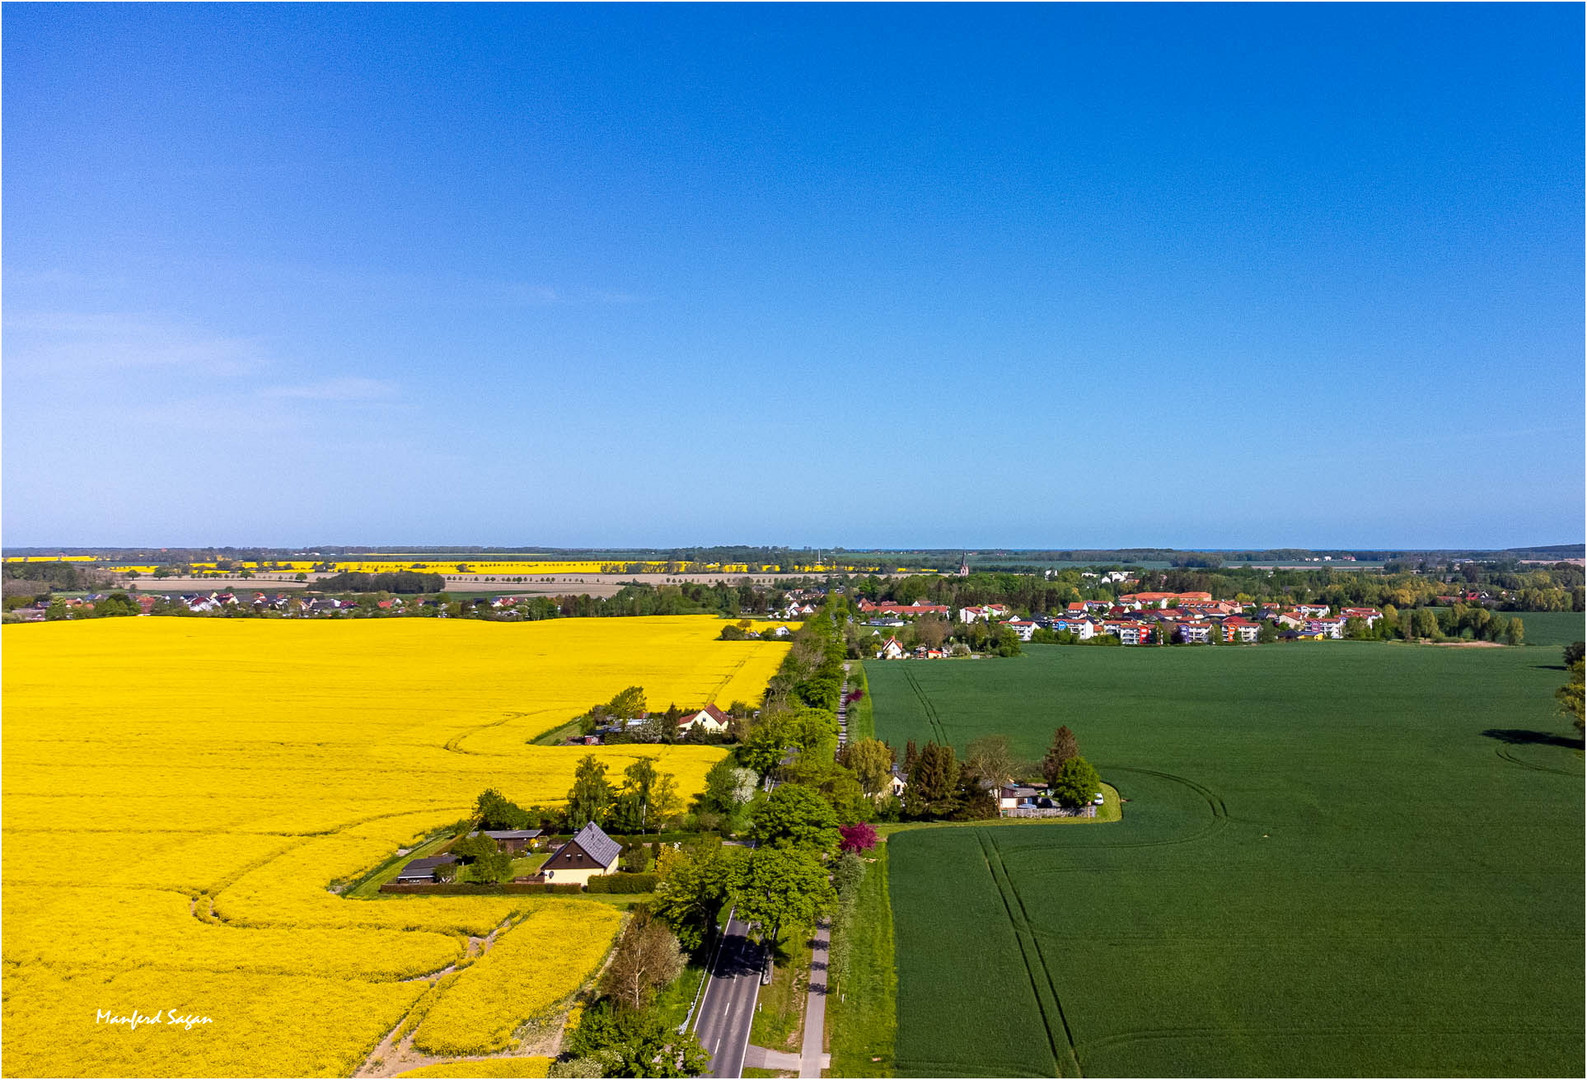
(512, 841)
(590, 853)
(422, 871)
(1020, 797)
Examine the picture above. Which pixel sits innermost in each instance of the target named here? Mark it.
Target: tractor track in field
(934, 720)
(1030, 952)
(1147, 1034)
(454, 743)
(1509, 755)
(727, 680)
(1215, 805)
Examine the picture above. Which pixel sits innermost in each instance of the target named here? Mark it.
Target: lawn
(1335, 859)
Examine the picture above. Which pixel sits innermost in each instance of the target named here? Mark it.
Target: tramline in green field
(1336, 859)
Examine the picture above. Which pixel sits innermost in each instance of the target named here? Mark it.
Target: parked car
(1098, 800)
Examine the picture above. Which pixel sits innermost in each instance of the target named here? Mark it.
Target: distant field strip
(1329, 865)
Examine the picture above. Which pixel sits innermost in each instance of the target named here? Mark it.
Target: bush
(623, 883)
(1076, 783)
(860, 837)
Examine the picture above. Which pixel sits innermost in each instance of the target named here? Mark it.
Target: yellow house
(589, 854)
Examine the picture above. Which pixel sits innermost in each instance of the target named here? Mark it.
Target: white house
(709, 719)
(1334, 627)
(1023, 627)
(1136, 634)
(892, 650)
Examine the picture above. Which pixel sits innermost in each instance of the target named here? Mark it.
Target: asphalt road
(729, 1002)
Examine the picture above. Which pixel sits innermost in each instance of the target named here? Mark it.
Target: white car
(1098, 800)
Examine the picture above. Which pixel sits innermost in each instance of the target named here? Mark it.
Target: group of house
(711, 720)
(590, 853)
(215, 602)
(801, 604)
(1034, 800)
(1147, 618)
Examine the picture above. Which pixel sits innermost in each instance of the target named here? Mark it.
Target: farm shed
(420, 871)
(512, 841)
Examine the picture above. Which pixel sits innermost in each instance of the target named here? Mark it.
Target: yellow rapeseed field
(529, 969)
(180, 795)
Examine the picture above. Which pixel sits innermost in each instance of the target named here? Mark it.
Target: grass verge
(557, 735)
(863, 1005)
(779, 1017)
(673, 1002)
(862, 721)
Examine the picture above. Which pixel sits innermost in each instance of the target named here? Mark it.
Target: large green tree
(694, 883)
(1075, 784)
(783, 889)
(1570, 696)
(933, 780)
(871, 762)
(764, 745)
(728, 785)
(1065, 747)
(590, 798)
(796, 816)
(648, 796)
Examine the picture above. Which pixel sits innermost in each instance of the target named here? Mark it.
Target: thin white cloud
(346, 388)
(68, 343)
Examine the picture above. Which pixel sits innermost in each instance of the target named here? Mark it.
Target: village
(1145, 618)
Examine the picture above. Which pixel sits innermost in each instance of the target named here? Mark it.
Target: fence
(1088, 810)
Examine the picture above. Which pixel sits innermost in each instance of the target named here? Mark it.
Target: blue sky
(1025, 276)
